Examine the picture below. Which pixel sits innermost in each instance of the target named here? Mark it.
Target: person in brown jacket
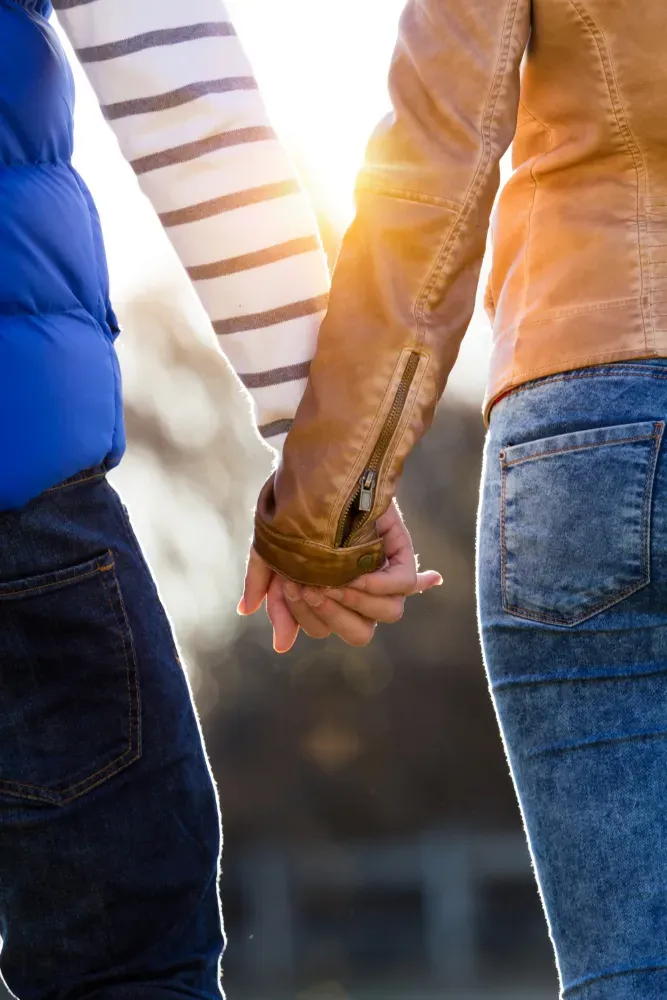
(572, 546)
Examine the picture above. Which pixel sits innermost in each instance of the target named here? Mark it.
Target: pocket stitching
(62, 582)
(133, 751)
(545, 616)
(578, 447)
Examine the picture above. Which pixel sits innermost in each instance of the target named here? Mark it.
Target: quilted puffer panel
(60, 407)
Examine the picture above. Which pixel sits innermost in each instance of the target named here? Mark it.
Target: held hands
(351, 612)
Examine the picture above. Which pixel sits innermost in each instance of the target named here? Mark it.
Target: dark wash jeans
(109, 822)
(572, 571)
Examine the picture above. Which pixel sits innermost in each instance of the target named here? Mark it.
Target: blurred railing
(447, 873)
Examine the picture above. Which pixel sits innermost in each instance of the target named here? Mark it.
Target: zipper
(364, 495)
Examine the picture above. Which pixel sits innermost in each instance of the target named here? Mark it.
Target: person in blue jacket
(109, 825)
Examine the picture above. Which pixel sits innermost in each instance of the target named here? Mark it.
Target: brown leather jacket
(579, 271)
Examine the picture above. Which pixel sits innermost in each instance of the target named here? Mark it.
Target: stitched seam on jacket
(18, 313)
(538, 120)
(376, 187)
(609, 354)
(479, 175)
(533, 178)
(405, 421)
(633, 149)
(300, 542)
(36, 165)
(569, 311)
(529, 230)
(354, 474)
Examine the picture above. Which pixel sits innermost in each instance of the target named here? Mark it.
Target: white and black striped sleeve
(176, 87)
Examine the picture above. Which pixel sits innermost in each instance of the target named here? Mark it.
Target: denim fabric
(109, 823)
(572, 588)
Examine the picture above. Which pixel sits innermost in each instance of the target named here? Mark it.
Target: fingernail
(292, 591)
(312, 598)
(335, 595)
(241, 609)
(440, 582)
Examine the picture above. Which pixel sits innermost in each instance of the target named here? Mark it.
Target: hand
(351, 612)
(375, 597)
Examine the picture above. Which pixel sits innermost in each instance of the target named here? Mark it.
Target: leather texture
(579, 273)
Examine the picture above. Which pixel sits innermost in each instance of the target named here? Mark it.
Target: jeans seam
(550, 618)
(75, 482)
(578, 447)
(65, 581)
(584, 981)
(597, 741)
(136, 547)
(605, 371)
(132, 753)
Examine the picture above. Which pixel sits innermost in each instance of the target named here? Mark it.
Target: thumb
(428, 580)
(257, 579)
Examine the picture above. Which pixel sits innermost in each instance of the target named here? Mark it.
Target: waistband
(85, 476)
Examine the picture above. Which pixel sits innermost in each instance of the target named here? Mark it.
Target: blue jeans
(109, 823)
(572, 571)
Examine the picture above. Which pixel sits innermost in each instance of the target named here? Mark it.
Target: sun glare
(323, 70)
(322, 67)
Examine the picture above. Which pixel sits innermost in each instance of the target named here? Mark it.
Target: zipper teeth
(386, 434)
(394, 414)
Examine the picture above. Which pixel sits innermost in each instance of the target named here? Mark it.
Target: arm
(176, 88)
(403, 290)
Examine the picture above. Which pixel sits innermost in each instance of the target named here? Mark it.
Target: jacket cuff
(311, 563)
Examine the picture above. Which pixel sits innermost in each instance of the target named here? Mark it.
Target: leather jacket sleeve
(403, 289)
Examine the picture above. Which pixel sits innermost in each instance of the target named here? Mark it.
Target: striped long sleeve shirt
(176, 87)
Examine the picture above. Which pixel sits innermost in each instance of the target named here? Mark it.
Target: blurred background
(373, 848)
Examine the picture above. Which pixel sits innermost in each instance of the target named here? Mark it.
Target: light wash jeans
(572, 571)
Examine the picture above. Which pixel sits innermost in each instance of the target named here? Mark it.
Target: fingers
(388, 582)
(379, 609)
(428, 580)
(399, 576)
(257, 580)
(285, 627)
(354, 629)
(310, 622)
(395, 536)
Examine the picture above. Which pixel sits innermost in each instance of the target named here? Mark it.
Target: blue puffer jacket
(60, 400)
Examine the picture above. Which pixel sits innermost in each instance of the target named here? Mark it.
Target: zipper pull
(367, 494)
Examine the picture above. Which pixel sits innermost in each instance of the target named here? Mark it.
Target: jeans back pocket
(69, 688)
(575, 521)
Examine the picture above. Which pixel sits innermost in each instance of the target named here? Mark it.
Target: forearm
(178, 91)
(404, 287)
